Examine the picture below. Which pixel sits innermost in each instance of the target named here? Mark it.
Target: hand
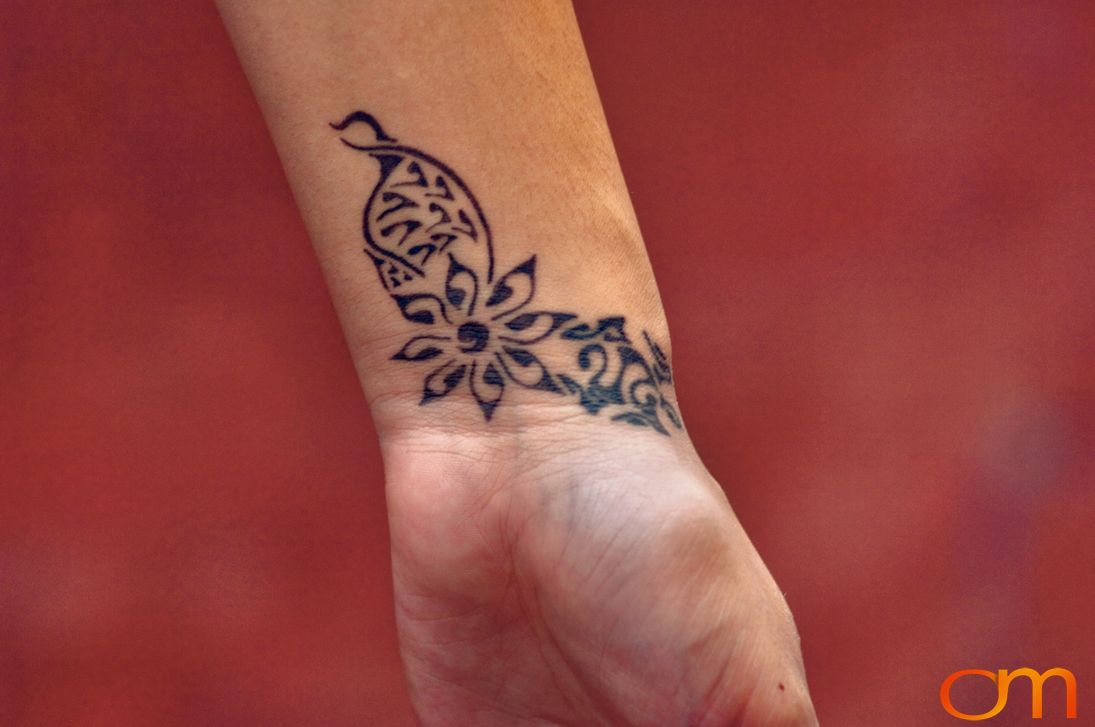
(579, 573)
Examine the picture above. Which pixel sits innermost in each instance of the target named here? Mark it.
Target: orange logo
(1003, 680)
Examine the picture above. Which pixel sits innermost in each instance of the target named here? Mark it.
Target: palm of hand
(575, 591)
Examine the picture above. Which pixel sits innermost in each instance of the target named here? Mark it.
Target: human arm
(559, 551)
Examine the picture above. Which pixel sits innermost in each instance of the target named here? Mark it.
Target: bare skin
(552, 566)
(609, 586)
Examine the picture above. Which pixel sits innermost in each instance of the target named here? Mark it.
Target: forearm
(500, 96)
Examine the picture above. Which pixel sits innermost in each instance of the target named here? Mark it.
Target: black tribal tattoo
(432, 248)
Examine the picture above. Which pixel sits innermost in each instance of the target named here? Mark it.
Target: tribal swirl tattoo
(433, 251)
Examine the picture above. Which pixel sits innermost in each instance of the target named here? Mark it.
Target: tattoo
(432, 247)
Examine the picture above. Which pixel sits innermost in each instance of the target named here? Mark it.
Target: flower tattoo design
(478, 332)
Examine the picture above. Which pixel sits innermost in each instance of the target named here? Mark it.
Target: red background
(873, 228)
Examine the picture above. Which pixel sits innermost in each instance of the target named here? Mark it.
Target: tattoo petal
(534, 327)
(487, 386)
(530, 371)
(461, 287)
(422, 308)
(514, 289)
(442, 380)
(422, 348)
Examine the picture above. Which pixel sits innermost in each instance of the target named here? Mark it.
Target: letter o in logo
(945, 695)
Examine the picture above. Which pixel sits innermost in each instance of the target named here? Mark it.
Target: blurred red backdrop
(877, 256)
